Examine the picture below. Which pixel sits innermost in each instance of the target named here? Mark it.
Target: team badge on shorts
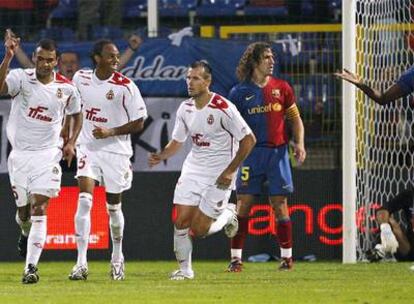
(55, 170)
(210, 119)
(276, 93)
(59, 93)
(110, 95)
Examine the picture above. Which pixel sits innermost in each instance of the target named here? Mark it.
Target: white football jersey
(215, 131)
(38, 109)
(109, 103)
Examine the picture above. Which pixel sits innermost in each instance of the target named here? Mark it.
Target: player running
(207, 177)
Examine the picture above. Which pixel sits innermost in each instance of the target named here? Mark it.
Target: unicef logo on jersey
(272, 107)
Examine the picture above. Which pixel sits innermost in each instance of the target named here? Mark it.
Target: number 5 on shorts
(81, 162)
(245, 173)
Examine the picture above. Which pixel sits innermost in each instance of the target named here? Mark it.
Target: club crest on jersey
(210, 119)
(110, 95)
(277, 107)
(276, 93)
(59, 93)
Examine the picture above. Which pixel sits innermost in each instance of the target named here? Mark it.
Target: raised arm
(23, 59)
(11, 43)
(382, 98)
(134, 43)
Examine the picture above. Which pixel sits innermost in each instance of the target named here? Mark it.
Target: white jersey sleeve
(134, 103)
(235, 124)
(180, 131)
(14, 81)
(74, 103)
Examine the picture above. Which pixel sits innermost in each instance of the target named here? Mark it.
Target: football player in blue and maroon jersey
(268, 106)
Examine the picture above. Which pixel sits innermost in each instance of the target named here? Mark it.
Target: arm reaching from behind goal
(396, 91)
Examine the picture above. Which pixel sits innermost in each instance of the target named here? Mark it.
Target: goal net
(384, 134)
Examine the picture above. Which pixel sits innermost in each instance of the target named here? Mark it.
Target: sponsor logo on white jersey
(197, 140)
(91, 115)
(36, 113)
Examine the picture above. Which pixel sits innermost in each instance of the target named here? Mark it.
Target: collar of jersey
(99, 81)
(206, 105)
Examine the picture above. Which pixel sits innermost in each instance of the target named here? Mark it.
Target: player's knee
(243, 210)
(39, 209)
(198, 232)
(113, 198)
(23, 214)
(280, 208)
(183, 220)
(182, 223)
(21, 220)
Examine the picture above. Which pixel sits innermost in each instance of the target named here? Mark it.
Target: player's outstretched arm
(245, 146)
(392, 93)
(11, 43)
(170, 149)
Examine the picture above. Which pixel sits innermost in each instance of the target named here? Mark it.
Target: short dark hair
(98, 47)
(48, 45)
(203, 64)
(71, 52)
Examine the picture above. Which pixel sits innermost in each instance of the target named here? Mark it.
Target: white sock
(24, 225)
(236, 253)
(183, 247)
(83, 226)
(222, 220)
(385, 227)
(286, 252)
(37, 239)
(116, 223)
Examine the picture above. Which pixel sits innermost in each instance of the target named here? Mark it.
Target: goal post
(378, 144)
(348, 134)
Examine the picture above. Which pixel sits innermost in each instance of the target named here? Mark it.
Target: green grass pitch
(147, 282)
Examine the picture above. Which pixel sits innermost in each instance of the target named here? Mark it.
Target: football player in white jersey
(40, 100)
(203, 189)
(113, 109)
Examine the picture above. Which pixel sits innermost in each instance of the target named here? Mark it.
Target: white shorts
(111, 170)
(34, 172)
(210, 200)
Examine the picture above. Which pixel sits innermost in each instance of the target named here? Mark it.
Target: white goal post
(348, 135)
(378, 145)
